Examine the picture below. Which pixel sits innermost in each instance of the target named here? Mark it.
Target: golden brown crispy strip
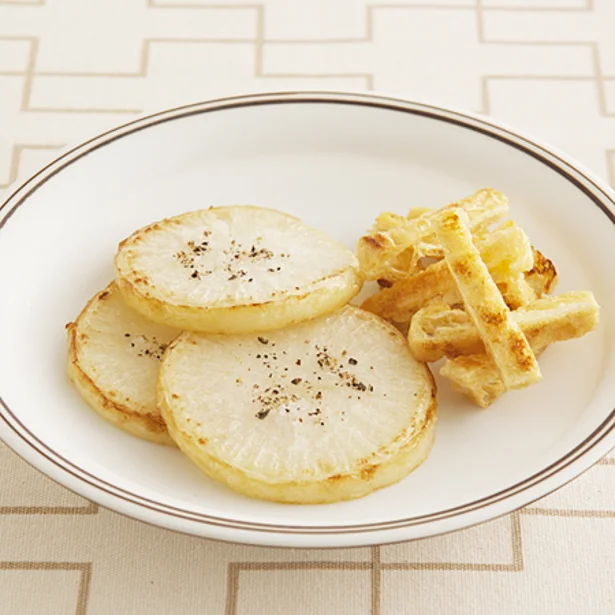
(402, 299)
(506, 252)
(416, 212)
(477, 377)
(438, 330)
(542, 277)
(516, 291)
(502, 336)
(395, 244)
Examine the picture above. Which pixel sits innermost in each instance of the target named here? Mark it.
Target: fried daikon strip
(395, 244)
(475, 376)
(438, 330)
(516, 291)
(542, 277)
(507, 252)
(417, 212)
(501, 335)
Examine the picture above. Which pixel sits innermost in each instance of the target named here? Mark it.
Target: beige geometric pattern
(20, 577)
(70, 69)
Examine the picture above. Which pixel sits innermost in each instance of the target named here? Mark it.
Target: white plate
(335, 160)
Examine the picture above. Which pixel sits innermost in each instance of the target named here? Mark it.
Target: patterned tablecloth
(72, 68)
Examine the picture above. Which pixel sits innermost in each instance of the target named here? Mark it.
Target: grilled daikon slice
(114, 355)
(235, 269)
(322, 411)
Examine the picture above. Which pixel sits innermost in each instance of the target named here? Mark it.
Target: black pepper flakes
(352, 361)
(263, 340)
(295, 381)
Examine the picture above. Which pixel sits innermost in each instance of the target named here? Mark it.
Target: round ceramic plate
(335, 160)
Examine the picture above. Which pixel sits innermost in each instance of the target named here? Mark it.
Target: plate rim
(580, 458)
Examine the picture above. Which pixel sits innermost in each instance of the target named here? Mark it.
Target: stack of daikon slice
(227, 332)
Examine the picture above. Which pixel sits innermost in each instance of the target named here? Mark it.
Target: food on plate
(502, 336)
(542, 277)
(506, 252)
(396, 245)
(475, 376)
(275, 387)
(466, 284)
(321, 411)
(114, 355)
(234, 269)
(545, 321)
(439, 331)
(227, 332)
(516, 290)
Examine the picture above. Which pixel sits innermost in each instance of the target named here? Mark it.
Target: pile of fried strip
(466, 284)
